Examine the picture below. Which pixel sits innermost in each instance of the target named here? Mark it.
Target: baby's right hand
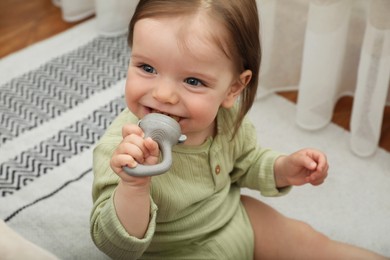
(132, 150)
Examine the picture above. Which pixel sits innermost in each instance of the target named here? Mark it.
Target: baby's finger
(309, 163)
(316, 182)
(317, 177)
(133, 150)
(320, 159)
(129, 129)
(152, 147)
(121, 160)
(139, 142)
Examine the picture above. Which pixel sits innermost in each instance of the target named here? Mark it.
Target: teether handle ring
(166, 132)
(156, 169)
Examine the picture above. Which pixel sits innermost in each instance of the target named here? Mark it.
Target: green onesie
(196, 211)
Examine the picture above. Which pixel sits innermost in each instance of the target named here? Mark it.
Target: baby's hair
(239, 17)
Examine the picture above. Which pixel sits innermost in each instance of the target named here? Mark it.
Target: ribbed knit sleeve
(106, 230)
(253, 165)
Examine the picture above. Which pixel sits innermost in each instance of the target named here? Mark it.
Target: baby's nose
(166, 92)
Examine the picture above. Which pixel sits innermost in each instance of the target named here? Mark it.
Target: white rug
(58, 96)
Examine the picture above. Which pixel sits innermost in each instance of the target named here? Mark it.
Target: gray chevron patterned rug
(57, 98)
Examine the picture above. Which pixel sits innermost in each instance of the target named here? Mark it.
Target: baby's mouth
(176, 118)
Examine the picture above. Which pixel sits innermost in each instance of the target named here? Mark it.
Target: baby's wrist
(280, 178)
(136, 185)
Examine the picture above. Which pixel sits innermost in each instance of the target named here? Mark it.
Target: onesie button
(217, 169)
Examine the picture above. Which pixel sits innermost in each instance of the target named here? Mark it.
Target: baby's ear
(236, 88)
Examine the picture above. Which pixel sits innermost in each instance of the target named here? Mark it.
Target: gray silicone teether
(166, 132)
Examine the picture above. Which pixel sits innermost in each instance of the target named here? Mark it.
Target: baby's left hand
(301, 167)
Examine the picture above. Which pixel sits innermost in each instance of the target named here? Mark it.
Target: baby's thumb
(310, 163)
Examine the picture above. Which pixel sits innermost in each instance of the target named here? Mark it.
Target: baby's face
(177, 68)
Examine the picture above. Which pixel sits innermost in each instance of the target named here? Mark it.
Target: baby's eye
(193, 81)
(148, 68)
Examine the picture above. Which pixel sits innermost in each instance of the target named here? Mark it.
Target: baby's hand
(132, 150)
(301, 167)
